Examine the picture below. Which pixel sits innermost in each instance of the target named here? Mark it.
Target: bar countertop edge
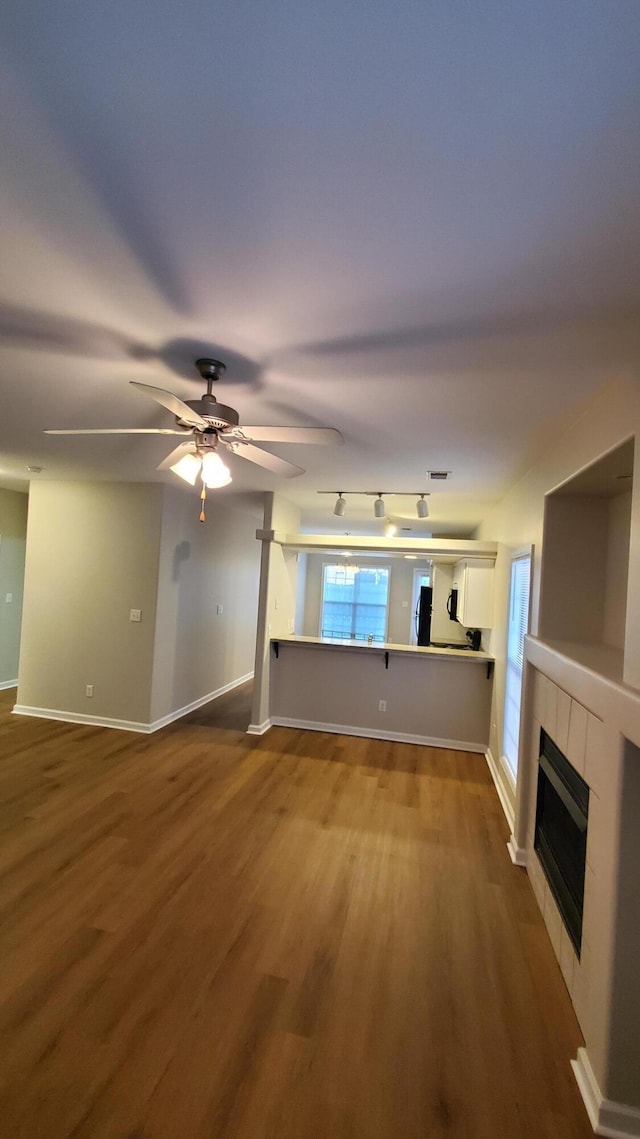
(478, 657)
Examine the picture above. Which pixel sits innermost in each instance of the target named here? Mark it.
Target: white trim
(259, 729)
(374, 734)
(78, 718)
(168, 719)
(614, 1120)
(505, 767)
(505, 803)
(127, 725)
(517, 854)
(8, 684)
(376, 563)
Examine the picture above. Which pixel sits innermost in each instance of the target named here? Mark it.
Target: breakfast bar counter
(425, 695)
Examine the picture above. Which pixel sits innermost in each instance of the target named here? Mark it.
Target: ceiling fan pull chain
(203, 495)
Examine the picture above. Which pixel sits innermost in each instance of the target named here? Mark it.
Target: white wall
(617, 570)
(203, 566)
(440, 701)
(13, 540)
(573, 569)
(606, 421)
(92, 555)
(614, 710)
(277, 599)
(97, 550)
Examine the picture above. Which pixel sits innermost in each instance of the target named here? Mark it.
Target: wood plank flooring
(298, 936)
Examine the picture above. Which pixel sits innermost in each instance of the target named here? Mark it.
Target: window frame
(358, 566)
(515, 668)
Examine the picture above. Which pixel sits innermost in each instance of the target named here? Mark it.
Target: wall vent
(439, 474)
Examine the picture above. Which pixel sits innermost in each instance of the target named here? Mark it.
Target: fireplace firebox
(562, 813)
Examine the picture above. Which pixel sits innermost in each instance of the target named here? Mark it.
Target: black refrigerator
(423, 615)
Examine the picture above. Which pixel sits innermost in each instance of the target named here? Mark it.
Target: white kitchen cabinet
(473, 578)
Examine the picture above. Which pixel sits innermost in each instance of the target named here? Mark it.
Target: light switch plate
(8, 598)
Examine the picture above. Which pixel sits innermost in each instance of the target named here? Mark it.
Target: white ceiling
(418, 222)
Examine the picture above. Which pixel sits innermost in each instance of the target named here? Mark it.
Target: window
(354, 602)
(518, 626)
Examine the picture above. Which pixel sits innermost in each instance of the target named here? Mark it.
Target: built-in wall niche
(585, 563)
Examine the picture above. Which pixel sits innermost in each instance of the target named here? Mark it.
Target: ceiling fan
(205, 424)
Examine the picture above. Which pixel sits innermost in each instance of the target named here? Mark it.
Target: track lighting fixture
(379, 505)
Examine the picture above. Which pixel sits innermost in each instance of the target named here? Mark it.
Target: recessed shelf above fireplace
(585, 563)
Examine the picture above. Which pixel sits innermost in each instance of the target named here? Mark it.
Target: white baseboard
(180, 712)
(374, 734)
(259, 729)
(505, 802)
(79, 718)
(127, 725)
(8, 684)
(517, 854)
(608, 1118)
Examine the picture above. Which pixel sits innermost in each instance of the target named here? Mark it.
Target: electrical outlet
(218, 609)
(8, 598)
(382, 705)
(89, 690)
(135, 614)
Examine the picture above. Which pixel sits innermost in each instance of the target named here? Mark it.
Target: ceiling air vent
(439, 474)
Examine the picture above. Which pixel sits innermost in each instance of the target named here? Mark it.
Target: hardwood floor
(297, 936)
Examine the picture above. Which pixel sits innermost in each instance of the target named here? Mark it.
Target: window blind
(354, 602)
(518, 627)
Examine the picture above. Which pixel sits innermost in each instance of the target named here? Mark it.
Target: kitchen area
(381, 638)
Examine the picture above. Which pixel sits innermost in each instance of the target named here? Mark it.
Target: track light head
(422, 507)
(379, 507)
(340, 505)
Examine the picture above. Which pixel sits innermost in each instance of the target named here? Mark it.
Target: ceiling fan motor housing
(217, 414)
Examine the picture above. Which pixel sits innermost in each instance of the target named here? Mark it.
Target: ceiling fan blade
(116, 431)
(325, 436)
(264, 459)
(172, 403)
(186, 448)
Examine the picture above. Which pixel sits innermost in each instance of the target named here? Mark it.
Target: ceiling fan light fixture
(187, 468)
(379, 507)
(215, 473)
(422, 507)
(340, 505)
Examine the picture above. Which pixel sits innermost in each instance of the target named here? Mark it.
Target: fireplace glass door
(561, 833)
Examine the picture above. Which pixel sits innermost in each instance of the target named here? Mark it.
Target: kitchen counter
(463, 652)
(410, 693)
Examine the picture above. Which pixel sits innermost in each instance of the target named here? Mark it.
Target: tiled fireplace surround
(591, 720)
